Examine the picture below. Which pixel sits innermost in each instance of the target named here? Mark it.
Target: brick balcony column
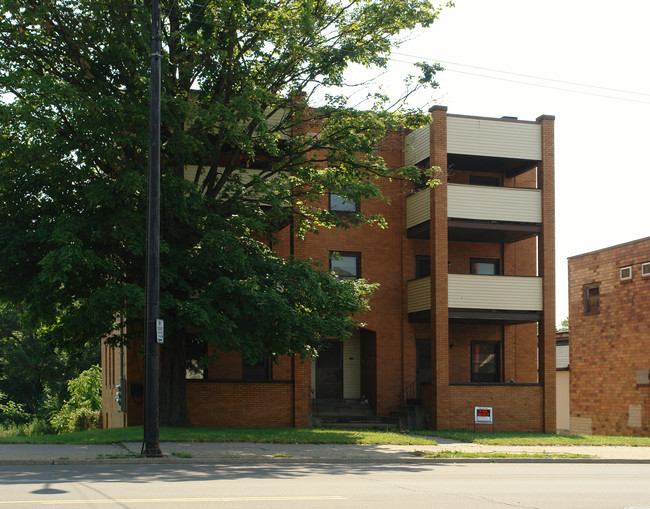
(439, 268)
(546, 182)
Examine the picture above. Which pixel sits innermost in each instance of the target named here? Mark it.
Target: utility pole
(151, 444)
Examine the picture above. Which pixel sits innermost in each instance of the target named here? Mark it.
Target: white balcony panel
(495, 138)
(417, 146)
(513, 293)
(418, 208)
(419, 294)
(486, 203)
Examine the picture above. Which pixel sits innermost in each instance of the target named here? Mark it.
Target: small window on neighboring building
(486, 266)
(196, 351)
(346, 265)
(626, 273)
(481, 180)
(645, 269)
(592, 298)
(485, 361)
(422, 266)
(258, 371)
(341, 205)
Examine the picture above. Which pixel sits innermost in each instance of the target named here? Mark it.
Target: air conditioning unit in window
(626, 273)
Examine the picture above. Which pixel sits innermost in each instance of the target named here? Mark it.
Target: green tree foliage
(82, 410)
(242, 154)
(33, 371)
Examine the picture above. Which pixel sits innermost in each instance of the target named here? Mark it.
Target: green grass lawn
(259, 435)
(316, 436)
(511, 438)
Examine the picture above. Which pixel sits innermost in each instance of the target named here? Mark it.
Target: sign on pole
(483, 414)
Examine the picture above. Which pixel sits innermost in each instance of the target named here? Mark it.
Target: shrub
(11, 412)
(82, 410)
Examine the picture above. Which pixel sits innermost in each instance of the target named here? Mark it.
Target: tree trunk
(173, 401)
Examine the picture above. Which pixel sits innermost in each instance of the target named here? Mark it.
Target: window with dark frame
(259, 371)
(346, 265)
(592, 298)
(196, 351)
(422, 266)
(485, 361)
(484, 266)
(341, 205)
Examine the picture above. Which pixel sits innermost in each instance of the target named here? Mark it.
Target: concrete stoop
(354, 414)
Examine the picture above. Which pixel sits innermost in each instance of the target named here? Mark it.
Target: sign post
(483, 415)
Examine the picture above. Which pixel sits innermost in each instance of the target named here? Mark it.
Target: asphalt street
(326, 485)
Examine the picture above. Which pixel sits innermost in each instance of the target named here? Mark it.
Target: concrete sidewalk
(239, 452)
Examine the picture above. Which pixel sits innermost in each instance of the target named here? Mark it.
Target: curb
(304, 461)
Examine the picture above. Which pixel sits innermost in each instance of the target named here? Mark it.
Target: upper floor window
(592, 298)
(346, 265)
(626, 273)
(485, 266)
(645, 269)
(340, 204)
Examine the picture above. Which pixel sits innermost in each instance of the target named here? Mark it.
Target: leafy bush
(11, 412)
(83, 409)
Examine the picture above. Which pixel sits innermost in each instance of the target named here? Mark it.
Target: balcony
(480, 213)
(503, 299)
(493, 144)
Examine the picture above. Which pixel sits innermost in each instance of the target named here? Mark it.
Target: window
(480, 180)
(196, 351)
(341, 205)
(626, 273)
(346, 265)
(485, 361)
(485, 266)
(592, 298)
(422, 266)
(258, 371)
(645, 269)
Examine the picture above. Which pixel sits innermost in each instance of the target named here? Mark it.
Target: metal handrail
(408, 392)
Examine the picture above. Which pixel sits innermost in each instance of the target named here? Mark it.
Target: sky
(578, 60)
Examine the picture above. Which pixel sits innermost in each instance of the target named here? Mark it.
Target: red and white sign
(483, 414)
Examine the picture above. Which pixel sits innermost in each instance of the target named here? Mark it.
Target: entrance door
(329, 371)
(423, 361)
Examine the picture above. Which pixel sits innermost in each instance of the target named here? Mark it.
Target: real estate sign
(483, 414)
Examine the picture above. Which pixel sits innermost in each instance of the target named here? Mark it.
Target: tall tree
(243, 155)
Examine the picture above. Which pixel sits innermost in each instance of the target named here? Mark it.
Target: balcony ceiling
(487, 231)
(481, 316)
(479, 231)
(510, 167)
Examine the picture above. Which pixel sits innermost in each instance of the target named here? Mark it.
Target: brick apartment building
(463, 317)
(609, 314)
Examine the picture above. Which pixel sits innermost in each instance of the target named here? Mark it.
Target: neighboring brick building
(609, 313)
(464, 315)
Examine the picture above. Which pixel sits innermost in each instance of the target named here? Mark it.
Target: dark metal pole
(151, 445)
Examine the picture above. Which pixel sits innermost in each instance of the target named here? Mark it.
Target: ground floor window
(259, 371)
(196, 351)
(485, 361)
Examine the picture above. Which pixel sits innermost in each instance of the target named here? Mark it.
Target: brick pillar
(301, 371)
(546, 182)
(439, 250)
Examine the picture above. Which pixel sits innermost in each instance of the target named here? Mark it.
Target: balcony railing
(480, 203)
(471, 291)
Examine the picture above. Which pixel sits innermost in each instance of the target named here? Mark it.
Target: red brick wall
(516, 407)
(240, 404)
(607, 348)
